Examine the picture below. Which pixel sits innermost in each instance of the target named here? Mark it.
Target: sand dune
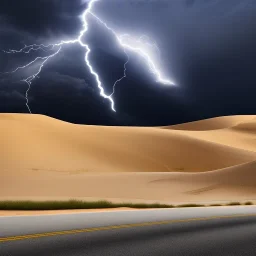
(237, 131)
(247, 127)
(40, 142)
(42, 158)
(212, 123)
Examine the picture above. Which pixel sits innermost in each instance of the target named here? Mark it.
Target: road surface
(186, 231)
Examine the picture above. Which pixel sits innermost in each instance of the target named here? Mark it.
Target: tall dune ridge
(42, 157)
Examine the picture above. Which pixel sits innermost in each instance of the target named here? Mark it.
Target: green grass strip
(71, 204)
(77, 204)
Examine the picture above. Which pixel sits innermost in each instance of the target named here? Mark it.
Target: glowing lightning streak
(142, 52)
(27, 49)
(124, 76)
(151, 64)
(30, 48)
(138, 50)
(31, 78)
(139, 41)
(88, 50)
(154, 45)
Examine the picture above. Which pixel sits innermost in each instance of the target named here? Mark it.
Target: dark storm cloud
(207, 47)
(12, 97)
(71, 99)
(43, 17)
(203, 27)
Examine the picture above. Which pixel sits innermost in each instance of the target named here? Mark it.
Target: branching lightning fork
(142, 51)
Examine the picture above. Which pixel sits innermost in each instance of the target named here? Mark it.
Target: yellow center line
(86, 230)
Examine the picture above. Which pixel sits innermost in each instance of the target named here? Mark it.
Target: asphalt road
(186, 231)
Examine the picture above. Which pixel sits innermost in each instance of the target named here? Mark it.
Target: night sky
(208, 47)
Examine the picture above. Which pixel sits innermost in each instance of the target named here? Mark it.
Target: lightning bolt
(29, 48)
(29, 79)
(124, 76)
(141, 51)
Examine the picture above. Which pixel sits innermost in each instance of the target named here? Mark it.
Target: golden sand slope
(39, 142)
(236, 131)
(231, 184)
(44, 158)
(212, 123)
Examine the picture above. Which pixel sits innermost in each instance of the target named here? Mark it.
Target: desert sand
(234, 131)
(212, 160)
(53, 212)
(215, 123)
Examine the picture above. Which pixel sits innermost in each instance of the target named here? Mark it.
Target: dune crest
(212, 123)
